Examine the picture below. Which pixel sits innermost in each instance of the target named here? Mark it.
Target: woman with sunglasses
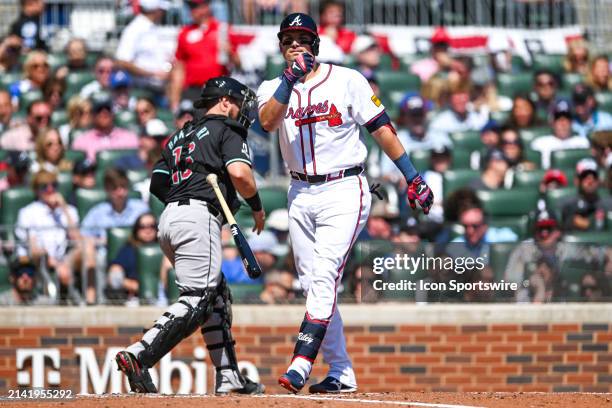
(79, 120)
(36, 74)
(50, 153)
(123, 272)
(512, 147)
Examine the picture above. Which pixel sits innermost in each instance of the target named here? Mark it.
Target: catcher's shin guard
(180, 320)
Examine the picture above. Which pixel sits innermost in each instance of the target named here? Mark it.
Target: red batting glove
(419, 191)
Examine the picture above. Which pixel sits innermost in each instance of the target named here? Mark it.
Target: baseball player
(190, 233)
(319, 108)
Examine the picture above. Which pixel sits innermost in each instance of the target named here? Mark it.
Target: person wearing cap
(23, 137)
(496, 166)
(184, 113)
(587, 116)
(278, 287)
(48, 229)
(205, 49)
(120, 89)
(104, 135)
(17, 168)
(267, 250)
(83, 176)
(460, 115)
(552, 180)
(563, 136)
(190, 234)
(367, 53)
(139, 51)
(23, 279)
(103, 70)
(440, 59)
(587, 210)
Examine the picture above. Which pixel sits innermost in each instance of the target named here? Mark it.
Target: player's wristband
(254, 202)
(283, 92)
(406, 167)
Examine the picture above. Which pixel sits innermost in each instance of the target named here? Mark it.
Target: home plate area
(410, 399)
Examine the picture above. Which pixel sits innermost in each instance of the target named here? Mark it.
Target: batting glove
(419, 191)
(300, 67)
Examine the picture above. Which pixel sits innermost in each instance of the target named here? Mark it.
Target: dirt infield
(430, 400)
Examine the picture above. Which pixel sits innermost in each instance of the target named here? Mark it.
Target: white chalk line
(369, 401)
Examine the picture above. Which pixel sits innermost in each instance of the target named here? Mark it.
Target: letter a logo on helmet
(297, 21)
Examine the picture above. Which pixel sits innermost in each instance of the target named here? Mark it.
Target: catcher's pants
(191, 239)
(324, 222)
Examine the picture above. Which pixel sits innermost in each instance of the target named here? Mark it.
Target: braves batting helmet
(302, 22)
(225, 86)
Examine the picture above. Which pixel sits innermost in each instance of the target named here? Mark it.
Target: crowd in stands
(517, 153)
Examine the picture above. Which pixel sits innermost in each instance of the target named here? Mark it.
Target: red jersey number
(178, 176)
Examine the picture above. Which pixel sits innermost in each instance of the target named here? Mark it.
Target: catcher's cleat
(330, 385)
(239, 385)
(138, 375)
(292, 381)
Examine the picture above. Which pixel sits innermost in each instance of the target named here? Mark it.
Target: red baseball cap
(555, 175)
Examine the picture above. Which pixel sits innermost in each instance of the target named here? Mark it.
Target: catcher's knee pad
(181, 320)
(309, 339)
(217, 330)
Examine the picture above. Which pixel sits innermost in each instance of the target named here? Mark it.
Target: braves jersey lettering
(320, 132)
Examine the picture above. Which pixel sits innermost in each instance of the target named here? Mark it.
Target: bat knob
(211, 178)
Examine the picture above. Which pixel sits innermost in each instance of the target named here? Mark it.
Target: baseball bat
(248, 258)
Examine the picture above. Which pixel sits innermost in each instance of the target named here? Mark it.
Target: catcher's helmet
(225, 86)
(303, 22)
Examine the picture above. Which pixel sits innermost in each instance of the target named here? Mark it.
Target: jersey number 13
(177, 175)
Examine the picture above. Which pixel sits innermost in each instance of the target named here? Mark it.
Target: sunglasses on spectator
(103, 70)
(52, 143)
(511, 142)
(48, 186)
(545, 83)
(473, 226)
(40, 118)
(40, 65)
(147, 226)
(143, 111)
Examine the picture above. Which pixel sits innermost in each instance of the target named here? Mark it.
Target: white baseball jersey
(320, 133)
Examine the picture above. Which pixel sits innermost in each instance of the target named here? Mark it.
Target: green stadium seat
(107, 158)
(533, 156)
(520, 224)
(500, 116)
(455, 179)
(245, 292)
(389, 81)
(499, 255)
(86, 198)
(9, 78)
(571, 79)
(590, 237)
(3, 155)
(529, 134)
(549, 62)
(461, 158)
(5, 272)
(116, 238)
(77, 80)
(125, 119)
(57, 60)
(136, 176)
(469, 140)
(420, 159)
(27, 98)
(244, 218)
(13, 200)
(59, 117)
(64, 180)
(528, 179)
(274, 66)
(604, 99)
(273, 198)
(156, 206)
(74, 155)
(165, 116)
(567, 159)
(513, 202)
(148, 264)
(510, 84)
(554, 198)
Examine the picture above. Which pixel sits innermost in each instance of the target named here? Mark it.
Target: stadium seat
(13, 200)
(156, 206)
(455, 179)
(244, 218)
(107, 158)
(274, 66)
(461, 158)
(529, 134)
(87, 198)
(533, 156)
(513, 202)
(148, 265)
(518, 224)
(6, 79)
(57, 60)
(510, 84)
(570, 80)
(500, 116)
(528, 179)
(273, 198)
(125, 119)
(116, 238)
(245, 292)
(59, 117)
(469, 140)
(136, 176)
(77, 80)
(27, 98)
(64, 180)
(5, 272)
(74, 155)
(567, 159)
(389, 81)
(499, 255)
(549, 62)
(589, 237)
(604, 99)
(555, 197)
(420, 159)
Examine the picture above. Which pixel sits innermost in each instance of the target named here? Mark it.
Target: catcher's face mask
(248, 108)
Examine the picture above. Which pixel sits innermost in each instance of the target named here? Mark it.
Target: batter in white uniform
(319, 108)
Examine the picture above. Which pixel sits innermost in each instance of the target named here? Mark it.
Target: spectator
(83, 176)
(379, 223)
(278, 287)
(278, 223)
(6, 112)
(545, 283)
(512, 148)
(10, 50)
(460, 116)
(76, 53)
(184, 114)
(594, 287)
(121, 86)
(490, 139)
(48, 229)
(499, 49)
(562, 138)
(552, 180)
(523, 114)
(588, 117)
(231, 263)
(440, 162)
(139, 51)
(145, 111)
(23, 137)
(370, 76)
(123, 275)
(601, 147)
(53, 93)
(587, 210)
(599, 74)
(104, 135)
(267, 250)
(27, 26)
(496, 166)
(36, 74)
(477, 234)
(577, 59)
(331, 24)
(23, 286)
(18, 166)
(50, 153)
(205, 49)
(545, 84)
(367, 53)
(117, 211)
(440, 58)
(102, 71)
(79, 120)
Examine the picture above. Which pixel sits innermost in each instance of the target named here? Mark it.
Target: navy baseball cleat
(330, 385)
(138, 375)
(292, 381)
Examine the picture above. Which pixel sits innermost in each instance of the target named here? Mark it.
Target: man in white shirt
(562, 138)
(460, 116)
(140, 52)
